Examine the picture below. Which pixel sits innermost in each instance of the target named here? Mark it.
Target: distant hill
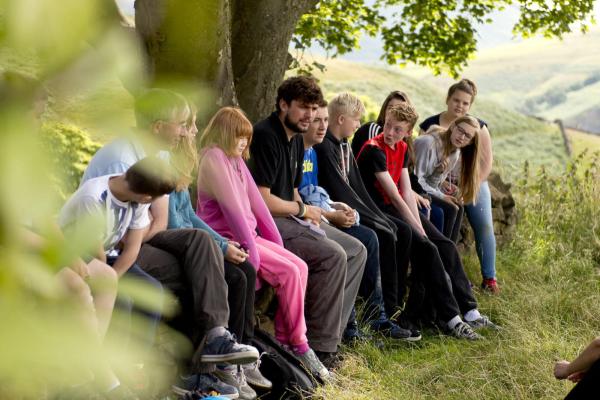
(516, 138)
(547, 78)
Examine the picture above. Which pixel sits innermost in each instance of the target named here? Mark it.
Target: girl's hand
(576, 377)
(234, 254)
(452, 200)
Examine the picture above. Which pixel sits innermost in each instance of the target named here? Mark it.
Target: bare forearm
(405, 212)
(125, 261)
(277, 206)
(587, 358)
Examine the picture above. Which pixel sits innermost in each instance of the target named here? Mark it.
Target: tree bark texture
(262, 31)
(236, 48)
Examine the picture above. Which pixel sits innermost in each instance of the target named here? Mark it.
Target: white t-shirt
(94, 198)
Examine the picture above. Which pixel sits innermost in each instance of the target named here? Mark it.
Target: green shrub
(70, 149)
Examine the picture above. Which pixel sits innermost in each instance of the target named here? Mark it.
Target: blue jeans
(436, 216)
(480, 218)
(370, 286)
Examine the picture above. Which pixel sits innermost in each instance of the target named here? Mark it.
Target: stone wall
(504, 214)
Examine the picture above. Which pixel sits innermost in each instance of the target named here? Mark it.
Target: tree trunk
(262, 32)
(189, 42)
(238, 49)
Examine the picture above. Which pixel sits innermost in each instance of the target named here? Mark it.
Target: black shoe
(407, 324)
(330, 360)
(393, 331)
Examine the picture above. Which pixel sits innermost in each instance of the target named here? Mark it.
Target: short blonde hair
(224, 128)
(345, 104)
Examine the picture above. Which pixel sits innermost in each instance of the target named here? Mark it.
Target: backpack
(290, 378)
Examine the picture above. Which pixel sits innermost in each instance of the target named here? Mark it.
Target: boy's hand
(340, 218)
(338, 205)
(561, 369)
(423, 202)
(313, 214)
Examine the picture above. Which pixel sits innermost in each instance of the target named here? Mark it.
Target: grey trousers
(190, 264)
(335, 267)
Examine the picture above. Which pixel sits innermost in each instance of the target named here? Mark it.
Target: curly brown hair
(301, 88)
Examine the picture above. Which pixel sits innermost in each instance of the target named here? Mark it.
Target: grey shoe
(482, 322)
(313, 364)
(462, 330)
(234, 375)
(225, 348)
(203, 383)
(254, 377)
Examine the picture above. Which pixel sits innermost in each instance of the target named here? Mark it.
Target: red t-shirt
(376, 156)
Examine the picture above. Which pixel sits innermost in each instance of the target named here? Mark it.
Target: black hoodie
(352, 191)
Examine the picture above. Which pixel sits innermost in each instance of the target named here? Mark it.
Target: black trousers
(437, 270)
(241, 281)
(589, 387)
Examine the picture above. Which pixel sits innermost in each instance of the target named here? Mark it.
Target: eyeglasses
(465, 134)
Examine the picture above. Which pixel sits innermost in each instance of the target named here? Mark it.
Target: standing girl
(229, 201)
(459, 100)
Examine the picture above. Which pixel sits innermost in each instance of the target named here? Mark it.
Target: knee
(103, 273)
(75, 285)
(235, 277)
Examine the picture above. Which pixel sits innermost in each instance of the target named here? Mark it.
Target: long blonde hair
(469, 156)
(224, 128)
(185, 156)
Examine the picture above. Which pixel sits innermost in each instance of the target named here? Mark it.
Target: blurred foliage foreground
(550, 271)
(44, 346)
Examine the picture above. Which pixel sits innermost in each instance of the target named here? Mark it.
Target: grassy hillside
(516, 138)
(548, 78)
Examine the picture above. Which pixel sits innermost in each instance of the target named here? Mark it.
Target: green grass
(548, 310)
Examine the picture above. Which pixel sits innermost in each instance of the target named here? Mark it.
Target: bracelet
(302, 211)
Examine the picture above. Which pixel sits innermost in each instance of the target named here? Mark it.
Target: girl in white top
(439, 153)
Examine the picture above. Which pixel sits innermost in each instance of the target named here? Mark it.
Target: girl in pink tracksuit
(229, 201)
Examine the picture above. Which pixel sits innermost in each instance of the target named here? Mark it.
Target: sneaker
(393, 331)
(490, 285)
(225, 349)
(462, 330)
(254, 377)
(482, 322)
(313, 364)
(234, 375)
(204, 383)
(405, 323)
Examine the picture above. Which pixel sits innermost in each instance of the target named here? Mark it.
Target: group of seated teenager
(289, 203)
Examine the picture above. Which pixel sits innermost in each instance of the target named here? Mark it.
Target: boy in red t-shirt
(383, 167)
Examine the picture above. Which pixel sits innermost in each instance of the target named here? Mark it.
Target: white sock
(472, 315)
(216, 331)
(454, 321)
